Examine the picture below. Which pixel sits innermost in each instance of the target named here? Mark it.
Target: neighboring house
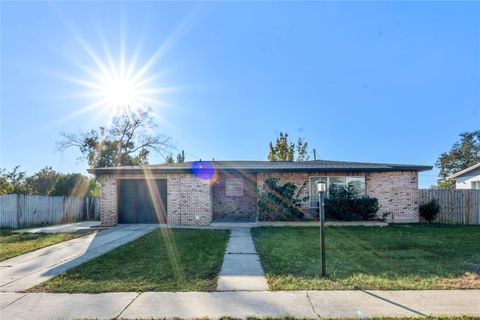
(197, 193)
(468, 178)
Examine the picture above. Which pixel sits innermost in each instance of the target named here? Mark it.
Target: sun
(110, 79)
(111, 86)
(117, 85)
(120, 92)
(112, 82)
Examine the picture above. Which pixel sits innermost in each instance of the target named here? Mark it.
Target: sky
(392, 82)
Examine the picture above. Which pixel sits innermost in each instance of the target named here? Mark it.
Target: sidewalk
(188, 305)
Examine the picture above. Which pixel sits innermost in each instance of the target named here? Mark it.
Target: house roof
(265, 166)
(461, 173)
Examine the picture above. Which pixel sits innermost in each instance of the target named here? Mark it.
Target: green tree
(126, 142)
(181, 157)
(14, 181)
(5, 186)
(169, 158)
(43, 181)
(463, 154)
(302, 150)
(93, 188)
(282, 150)
(71, 184)
(285, 150)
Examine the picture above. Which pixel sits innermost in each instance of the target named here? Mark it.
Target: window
(234, 187)
(339, 182)
(475, 184)
(357, 181)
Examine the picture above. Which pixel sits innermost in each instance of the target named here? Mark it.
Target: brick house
(197, 193)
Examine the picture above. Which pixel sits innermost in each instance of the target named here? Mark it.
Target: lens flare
(203, 170)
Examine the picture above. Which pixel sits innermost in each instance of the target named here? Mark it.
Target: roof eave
(464, 171)
(146, 171)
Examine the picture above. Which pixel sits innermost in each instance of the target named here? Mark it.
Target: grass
(464, 317)
(356, 318)
(371, 318)
(14, 244)
(163, 260)
(397, 257)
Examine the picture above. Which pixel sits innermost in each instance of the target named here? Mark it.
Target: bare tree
(126, 142)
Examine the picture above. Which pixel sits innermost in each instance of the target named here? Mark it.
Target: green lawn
(163, 260)
(14, 244)
(373, 318)
(390, 258)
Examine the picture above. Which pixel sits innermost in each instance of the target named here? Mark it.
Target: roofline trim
(120, 170)
(460, 173)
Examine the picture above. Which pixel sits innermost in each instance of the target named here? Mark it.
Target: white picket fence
(17, 211)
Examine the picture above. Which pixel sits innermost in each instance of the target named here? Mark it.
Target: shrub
(366, 207)
(339, 202)
(281, 203)
(429, 210)
(345, 204)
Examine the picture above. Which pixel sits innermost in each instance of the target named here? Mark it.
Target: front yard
(163, 260)
(385, 258)
(13, 244)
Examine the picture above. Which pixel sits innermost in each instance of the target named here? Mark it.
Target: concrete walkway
(28, 270)
(188, 305)
(228, 225)
(241, 269)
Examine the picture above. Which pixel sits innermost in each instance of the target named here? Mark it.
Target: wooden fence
(18, 211)
(456, 206)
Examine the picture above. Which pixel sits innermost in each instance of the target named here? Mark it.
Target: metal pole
(322, 233)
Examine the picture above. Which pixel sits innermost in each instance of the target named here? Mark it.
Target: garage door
(142, 201)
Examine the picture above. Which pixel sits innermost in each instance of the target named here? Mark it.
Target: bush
(344, 204)
(281, 203)
(429, 210)
(366, 207)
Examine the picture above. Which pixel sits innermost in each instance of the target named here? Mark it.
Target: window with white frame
(358, 183)
(475, 184)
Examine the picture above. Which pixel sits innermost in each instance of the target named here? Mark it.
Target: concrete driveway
(60, 228)
(28, 270)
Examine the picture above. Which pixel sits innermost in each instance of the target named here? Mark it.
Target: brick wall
(299, 178)
(187, 198)
(233, 207)
(108, 201)
(396, 191)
